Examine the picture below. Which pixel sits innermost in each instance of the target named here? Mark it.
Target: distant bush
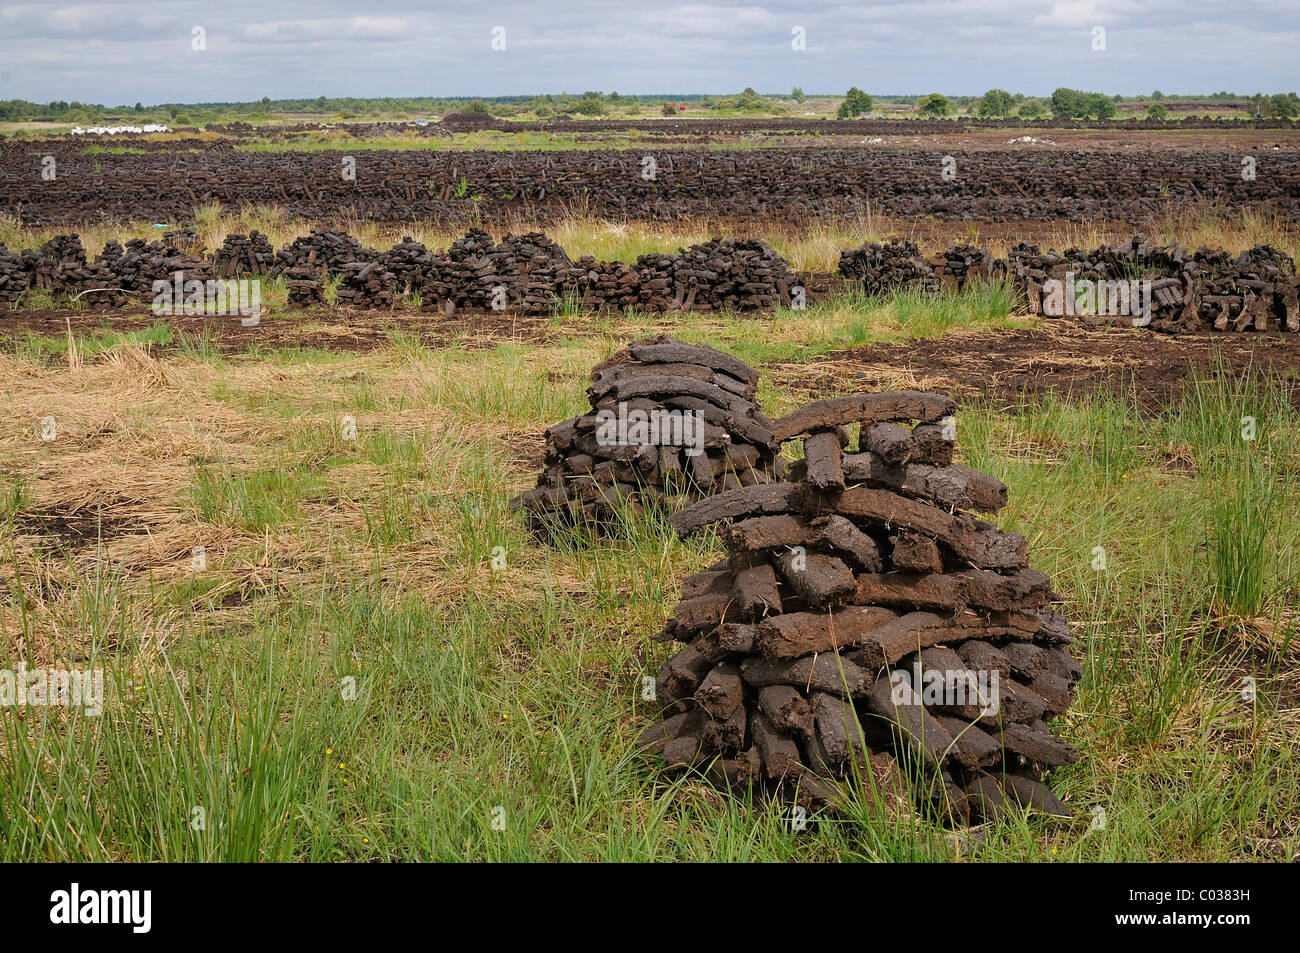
(1032, 109)
(936, 106)
(1075, 104)
(1282, 106)
(855, 104)
(590, 105)
(748, 100)
(995, 104)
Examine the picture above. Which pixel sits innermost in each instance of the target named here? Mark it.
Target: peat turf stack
(17, 269)
(882, 268)
(667, 419)
(325, 249)
(964, 267)
(366, 284)
(1211, 290)
(865, 625)
(242, 256)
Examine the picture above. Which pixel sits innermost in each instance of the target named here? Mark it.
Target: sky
(145, 50)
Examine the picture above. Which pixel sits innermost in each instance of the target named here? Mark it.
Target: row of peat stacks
(1206, 290)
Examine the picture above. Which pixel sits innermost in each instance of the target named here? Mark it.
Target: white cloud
(140, 49)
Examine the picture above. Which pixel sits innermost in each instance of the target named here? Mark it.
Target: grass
(378, 662)
(487, 140)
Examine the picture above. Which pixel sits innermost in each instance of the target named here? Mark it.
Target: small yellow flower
(329, 750)
(342, 765)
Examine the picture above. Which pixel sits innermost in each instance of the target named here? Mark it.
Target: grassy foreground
(373, 660)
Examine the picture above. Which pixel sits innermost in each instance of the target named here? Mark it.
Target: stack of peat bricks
(1257, 289)
(62, 265)
(881, 268)
(17, 269)
(668, 419)
(527, 272)
(366, 284)
(408, 262)
(966, 267)
(325, 250)
(726, 274)
(305, 287)
(615, 285)
(865, 627)
(127, 274)
(1163, 286)
(331, 252)
(244, 256)
(466, 275)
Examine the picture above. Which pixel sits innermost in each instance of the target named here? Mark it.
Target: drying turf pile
(881, 268)
(1163, 286)
(242, 256)
(865, 626)
(667, 419)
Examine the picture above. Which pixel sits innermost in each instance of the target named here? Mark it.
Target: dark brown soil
(1068, 358)
(327, 329)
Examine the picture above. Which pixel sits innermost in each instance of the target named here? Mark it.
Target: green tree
(1068, 103)
(797, 95)
(1099, 105)
(995, 104)
(935, 106)
(856, 103)
(1157, 111)
(1282, 106)
(591, 104)
(1032, 109)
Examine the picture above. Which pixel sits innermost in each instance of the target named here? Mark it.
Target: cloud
(140, 49)
(384, 29)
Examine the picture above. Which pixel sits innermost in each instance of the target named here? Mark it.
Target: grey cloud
(140, 49)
